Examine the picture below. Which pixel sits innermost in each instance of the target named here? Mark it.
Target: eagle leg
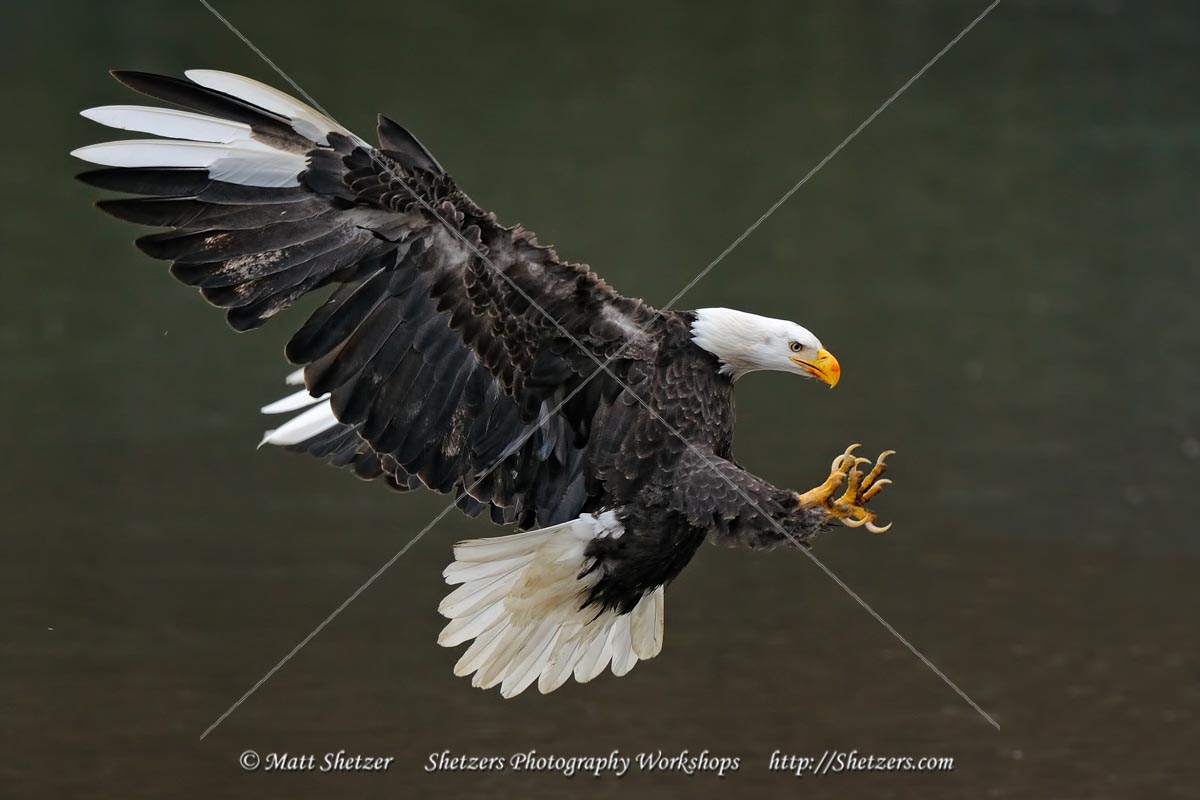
(849, 508)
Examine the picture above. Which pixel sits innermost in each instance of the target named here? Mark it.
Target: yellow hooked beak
(825, 368)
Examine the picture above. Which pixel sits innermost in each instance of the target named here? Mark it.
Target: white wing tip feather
(224, 147)
(314, 419)
(293, 402)
(519, 598)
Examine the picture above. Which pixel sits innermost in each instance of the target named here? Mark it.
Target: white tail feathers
(317, 418)
(225, 148)
(520, 599)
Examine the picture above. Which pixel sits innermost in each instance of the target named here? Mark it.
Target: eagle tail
(521, 598)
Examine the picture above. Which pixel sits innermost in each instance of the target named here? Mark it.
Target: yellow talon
(849, 507)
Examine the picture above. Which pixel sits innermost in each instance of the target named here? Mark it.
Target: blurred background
(1004, 262)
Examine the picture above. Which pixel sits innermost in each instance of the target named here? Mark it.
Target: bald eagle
(459, 355)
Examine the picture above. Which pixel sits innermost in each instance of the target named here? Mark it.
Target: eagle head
(747, 343)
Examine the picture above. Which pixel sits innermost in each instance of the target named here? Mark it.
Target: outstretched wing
(446, 339)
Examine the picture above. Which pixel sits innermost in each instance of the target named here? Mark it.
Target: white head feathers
(747, 342)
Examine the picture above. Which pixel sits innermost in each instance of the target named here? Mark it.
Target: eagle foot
(849, 507)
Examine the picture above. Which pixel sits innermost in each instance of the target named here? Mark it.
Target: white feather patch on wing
(305, 120)
(169, 122)
(304, 426)
(293, 402)
(519, 598)
(248, 163)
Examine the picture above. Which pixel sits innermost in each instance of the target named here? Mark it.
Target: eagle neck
(725, 335)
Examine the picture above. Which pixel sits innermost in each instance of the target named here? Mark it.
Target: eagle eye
(796, 346)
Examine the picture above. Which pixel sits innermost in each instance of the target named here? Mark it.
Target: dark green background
(1005, 263)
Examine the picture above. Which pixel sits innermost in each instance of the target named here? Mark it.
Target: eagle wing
(737, 507)
(448, 341)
